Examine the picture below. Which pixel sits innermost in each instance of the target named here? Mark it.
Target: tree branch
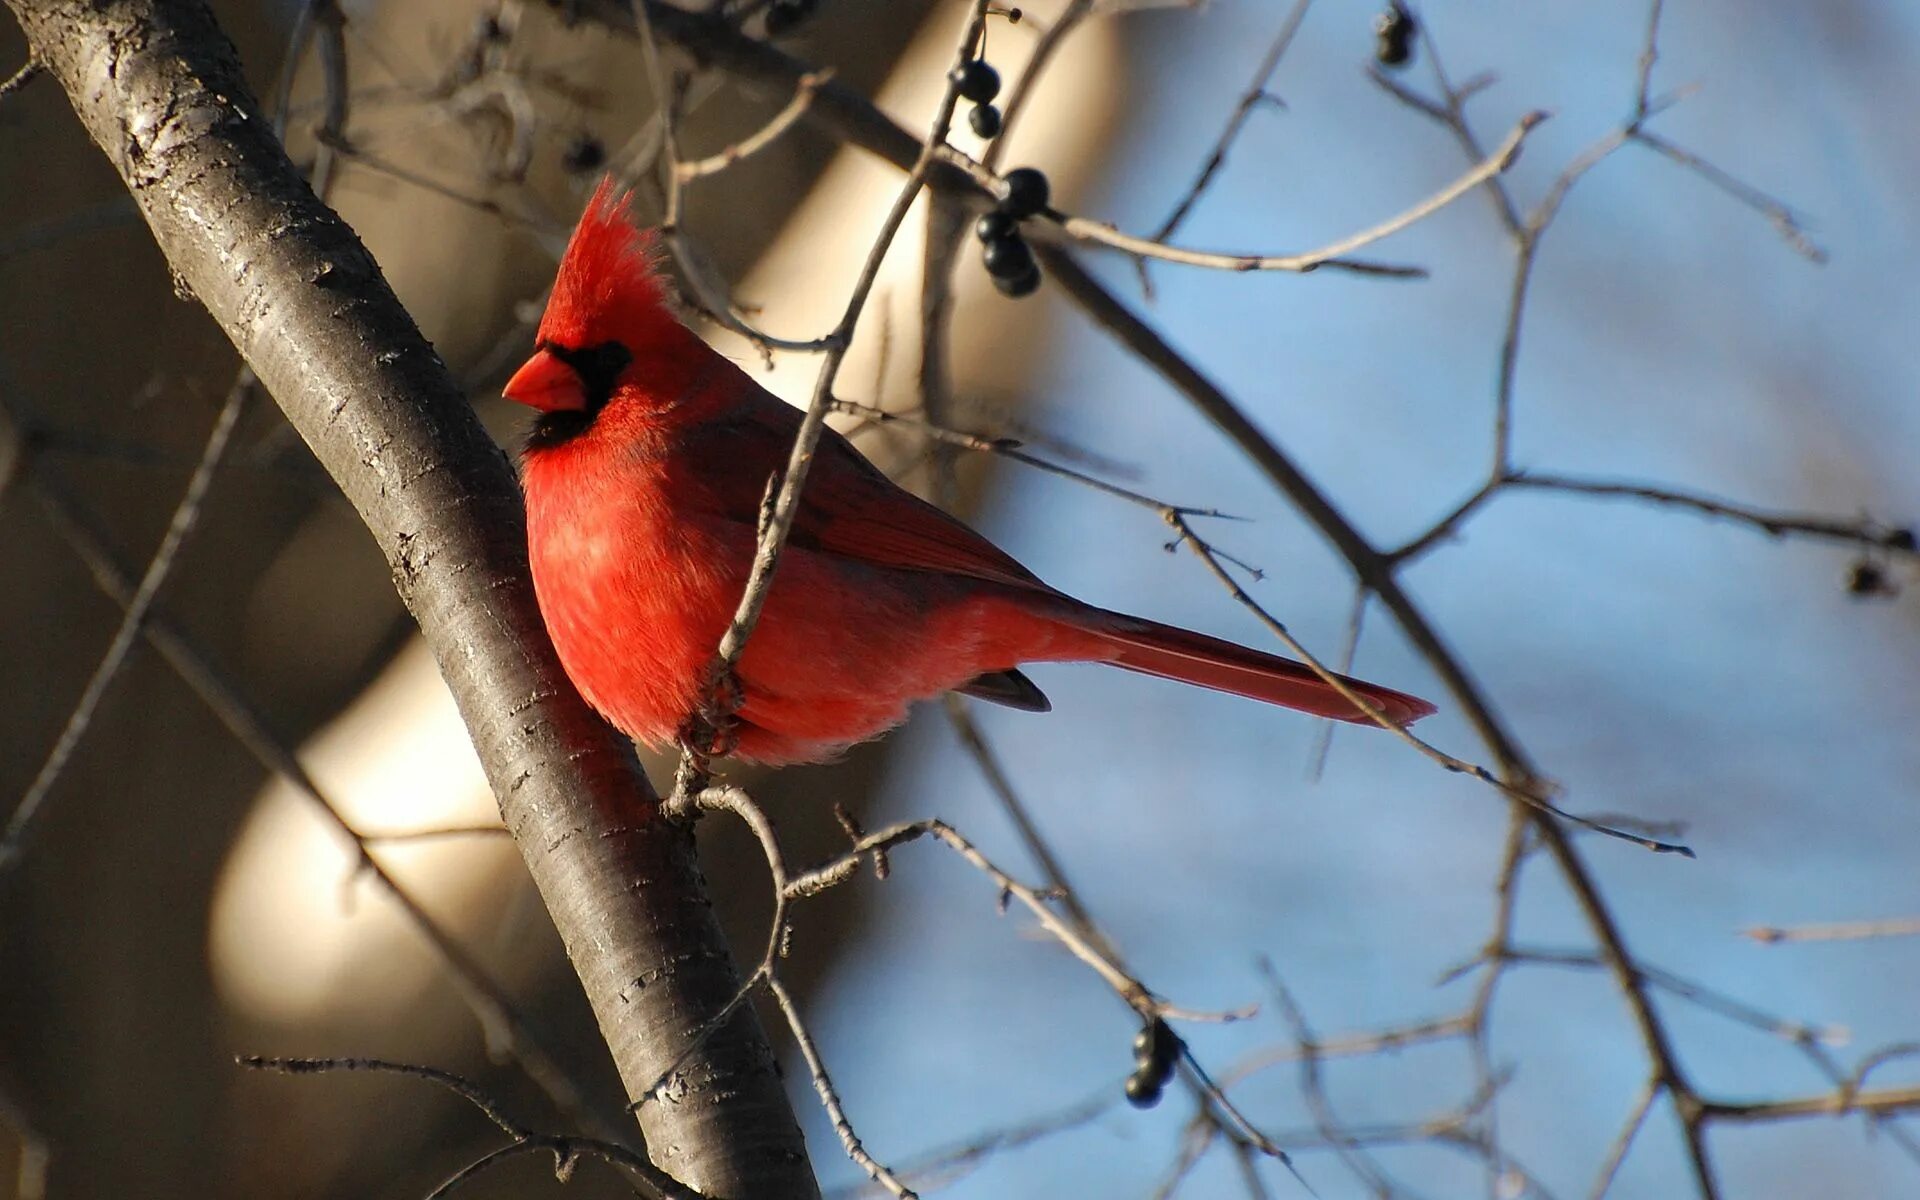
(158, 87)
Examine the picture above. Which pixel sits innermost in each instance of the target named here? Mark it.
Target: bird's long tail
(1172, 653)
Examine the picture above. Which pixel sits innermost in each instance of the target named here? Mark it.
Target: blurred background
(174, 905)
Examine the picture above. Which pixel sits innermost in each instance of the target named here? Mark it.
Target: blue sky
(1653, 662)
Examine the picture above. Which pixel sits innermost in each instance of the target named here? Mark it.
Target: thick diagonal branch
(157, 86)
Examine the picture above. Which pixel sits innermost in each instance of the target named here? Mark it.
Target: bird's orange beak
(546, 383)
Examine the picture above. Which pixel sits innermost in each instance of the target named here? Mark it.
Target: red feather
(644, 480)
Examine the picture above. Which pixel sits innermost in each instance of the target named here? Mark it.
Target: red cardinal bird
(644, 474)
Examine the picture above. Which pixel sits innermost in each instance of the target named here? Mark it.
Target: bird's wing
(848, 506)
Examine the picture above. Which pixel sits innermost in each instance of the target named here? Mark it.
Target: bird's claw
(710, 731)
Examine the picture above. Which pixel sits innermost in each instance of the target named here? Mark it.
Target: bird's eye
(598, 367)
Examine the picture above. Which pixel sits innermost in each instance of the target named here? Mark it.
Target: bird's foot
(709, 732)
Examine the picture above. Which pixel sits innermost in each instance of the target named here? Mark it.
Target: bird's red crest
(609, 286)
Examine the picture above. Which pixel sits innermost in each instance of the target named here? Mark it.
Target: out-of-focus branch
(506, 1030)
(1840, 931)
(565, 1148)
(159, 89)
(186, 515)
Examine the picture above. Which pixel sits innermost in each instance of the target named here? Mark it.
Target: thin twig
(506, 1031)
(1859, 531)
(186, 515)
(1839, 931)
(1133, 991)
(28, 72)
(1331, 255)
(829, 1098)
(1257, 94)
(760, 139)
(1828, 1104)
(1623, 1142)
(1526, 795)
(566, 1148)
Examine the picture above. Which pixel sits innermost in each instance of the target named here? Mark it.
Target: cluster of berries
(1009, 260)
(1393, 34)
(1155, 1049)
(784, 16)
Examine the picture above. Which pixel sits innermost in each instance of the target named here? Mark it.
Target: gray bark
(159, 89)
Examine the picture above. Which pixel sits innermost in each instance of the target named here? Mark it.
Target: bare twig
(565, 1148)
(1528, 795)
(1128, 988)
(940, 1168)
(1860, 531)
(829, 1098)
(767, 972)
(1785, 221)
(1838, 931)
(761, 138)
(1253, 98)
(1330, 255)
(506, 1031)
(1623, 1142)
(1831, 1104)
(186, 515)
(28, 72)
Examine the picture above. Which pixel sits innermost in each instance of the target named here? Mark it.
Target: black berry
(1155, 1048)
(1027, 193)
(1009, 258)
(783, 16)
(996, 226)
(1394, 31)
(985, 120)
(583, 153)
(1143, 1092)
(977, 81)
(1867, 579)
(1018, 286)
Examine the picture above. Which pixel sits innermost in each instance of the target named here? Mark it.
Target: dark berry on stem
(1867, 579)
(583, 153)
(985, 120)
(784, 15)
(1143, 1092)
(996, 226)
(1394, 30)
(1009, 258)
(1155, 1048)
(1027, 192)
(978, 82)
(1024, 285)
